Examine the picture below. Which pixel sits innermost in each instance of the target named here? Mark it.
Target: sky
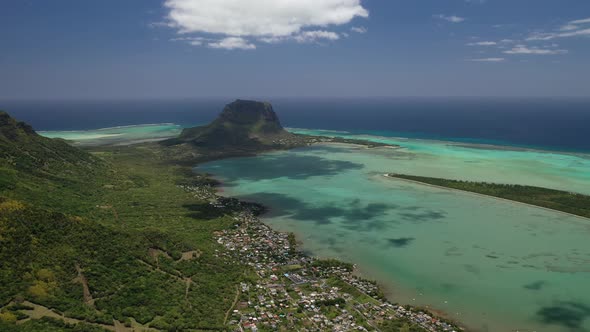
(114, 49)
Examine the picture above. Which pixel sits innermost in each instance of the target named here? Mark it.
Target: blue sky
(255, 48)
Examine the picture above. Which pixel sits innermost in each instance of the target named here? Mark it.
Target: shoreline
(364, 275)
(386, 175)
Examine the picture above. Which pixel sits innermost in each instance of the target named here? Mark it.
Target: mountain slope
(23, 149)
(41, 170)
(242, 124)
(88, 242)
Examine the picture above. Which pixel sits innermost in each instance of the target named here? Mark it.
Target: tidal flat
(493, 265)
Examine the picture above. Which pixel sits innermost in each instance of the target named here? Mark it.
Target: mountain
(242, 124)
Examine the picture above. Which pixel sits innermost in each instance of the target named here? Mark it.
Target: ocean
(546, 123)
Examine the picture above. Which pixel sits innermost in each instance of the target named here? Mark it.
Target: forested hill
(23, 148)
(36, 168)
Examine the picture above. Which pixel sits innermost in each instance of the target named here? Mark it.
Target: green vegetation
(106, 236)
(573, 203)
(47, 324)
(399, 326)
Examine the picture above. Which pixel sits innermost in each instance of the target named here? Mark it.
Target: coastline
(385, 293)
(425, 305)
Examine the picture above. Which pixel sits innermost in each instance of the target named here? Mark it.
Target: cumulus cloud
(232, 43)
(488, 60)
(452, 18)
(523, 49)
(239, 21)
(312, 36)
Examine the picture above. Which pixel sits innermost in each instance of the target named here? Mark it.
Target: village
(295, 292)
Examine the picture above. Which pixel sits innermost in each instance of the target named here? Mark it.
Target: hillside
(94, 239)
(41, 170)
(22, 148)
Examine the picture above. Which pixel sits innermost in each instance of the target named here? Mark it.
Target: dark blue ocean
(549, 123)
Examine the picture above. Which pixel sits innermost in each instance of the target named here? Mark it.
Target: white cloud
(576, 28)
(359, 29)
(312, 36)
(452, 18)
(568, 27)
(554, 35)
(269, 21)
(483, 43)
(304, 37)
(582, 21)
(232, 43)
(488, 60)
(523, 49)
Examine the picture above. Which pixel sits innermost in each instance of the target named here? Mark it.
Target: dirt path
(40, 311)
(88, 300)
(232, 306)
(153, 268)
(188, 281)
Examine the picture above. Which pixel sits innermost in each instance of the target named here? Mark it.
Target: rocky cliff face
(241, 124)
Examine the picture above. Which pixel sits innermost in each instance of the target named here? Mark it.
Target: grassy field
(123, 244)
(573, 203)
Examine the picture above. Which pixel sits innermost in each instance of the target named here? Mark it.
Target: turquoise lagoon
(491, 264)
(118, 135)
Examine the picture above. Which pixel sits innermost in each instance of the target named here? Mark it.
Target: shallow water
(492, 264)
(117, 135)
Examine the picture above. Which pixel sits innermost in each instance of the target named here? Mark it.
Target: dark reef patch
(421, 217)
(472, 269)
(400, 242)
(568, 314)
(537, 285)
(355, 216)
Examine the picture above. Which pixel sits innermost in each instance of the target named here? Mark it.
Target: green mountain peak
(241, 124)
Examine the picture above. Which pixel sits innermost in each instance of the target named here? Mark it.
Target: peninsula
(568, 202)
